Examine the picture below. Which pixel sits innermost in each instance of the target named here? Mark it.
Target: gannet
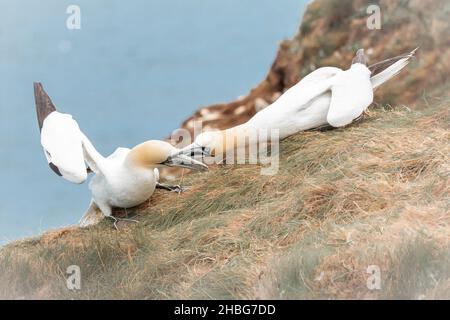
(125, 179)
(326, 96)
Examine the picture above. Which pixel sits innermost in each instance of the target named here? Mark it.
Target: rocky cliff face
(330, 33)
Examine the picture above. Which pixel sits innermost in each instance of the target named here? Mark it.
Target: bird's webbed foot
(172, 188)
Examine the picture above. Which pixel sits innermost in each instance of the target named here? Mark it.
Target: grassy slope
(377, 192)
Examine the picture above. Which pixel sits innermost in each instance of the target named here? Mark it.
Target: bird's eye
(48, 154)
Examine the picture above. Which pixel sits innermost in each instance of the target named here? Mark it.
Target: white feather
(388, 73)
(351, 94)
(61, 140)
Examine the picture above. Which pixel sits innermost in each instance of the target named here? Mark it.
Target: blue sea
(134, 71)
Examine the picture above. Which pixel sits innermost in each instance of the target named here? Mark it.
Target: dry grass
(375, 193)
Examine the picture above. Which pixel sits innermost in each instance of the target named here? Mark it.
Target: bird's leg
(127, 219)
(117, 220)
(168, 187)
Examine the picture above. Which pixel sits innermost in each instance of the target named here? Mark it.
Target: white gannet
(326, 96)
(125, 179)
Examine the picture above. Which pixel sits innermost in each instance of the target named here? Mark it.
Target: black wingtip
(44, 105)
(55, 169)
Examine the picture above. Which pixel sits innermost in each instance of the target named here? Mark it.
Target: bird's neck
(236, 137)
(358, 67)
(137, 159)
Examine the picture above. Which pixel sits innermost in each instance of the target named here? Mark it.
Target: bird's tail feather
(387, 69)
(92, 216)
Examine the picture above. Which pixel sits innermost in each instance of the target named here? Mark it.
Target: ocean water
(134, 71)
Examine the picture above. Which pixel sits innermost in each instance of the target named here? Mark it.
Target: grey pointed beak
(195, 150)
(184, 161)
(360, 57)
(44, 105)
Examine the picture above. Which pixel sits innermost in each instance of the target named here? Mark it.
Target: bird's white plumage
(320, 74)
(302, 107)
(351, 94)
(61, 140)
(391, 71)
(124, 188)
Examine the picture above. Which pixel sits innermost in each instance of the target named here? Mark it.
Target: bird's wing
(387, 69)
(380, 66)
(320, 75)
(311, 86)
(61, 141)
(296, 98)
(66, 147)
(95, 161)
(351, 94)
(44, 105)
(60, 138)
(119, 154)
